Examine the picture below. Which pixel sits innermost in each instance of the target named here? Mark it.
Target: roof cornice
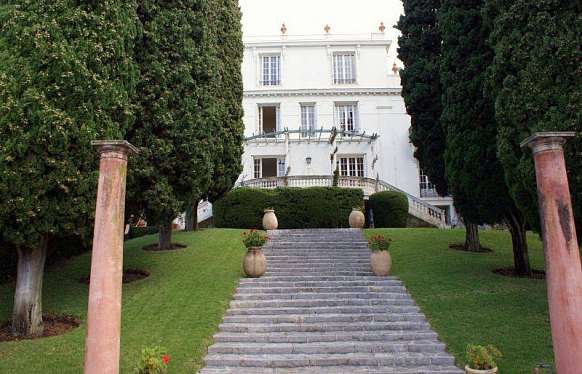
(325, 92)
(316, 43)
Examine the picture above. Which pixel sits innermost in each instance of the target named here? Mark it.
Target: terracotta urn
(468, 370)
(270, 220)
(357, 219)
(381, 262)
(254, 263)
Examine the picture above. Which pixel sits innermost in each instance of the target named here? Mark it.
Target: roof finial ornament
(283, 29)
(395, 68)
(382, 28)
(327, 28)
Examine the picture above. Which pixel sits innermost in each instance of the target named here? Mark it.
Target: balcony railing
(416, 207)
(320, 134)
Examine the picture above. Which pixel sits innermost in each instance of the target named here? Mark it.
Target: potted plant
(270, 219)
(254, 263)
(380, 259)
(357, 218)
(481, 359)
(153, 361)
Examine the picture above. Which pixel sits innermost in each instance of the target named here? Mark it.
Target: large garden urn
(357, 219)
(380, 259)
(381, 263)
(255, 263)
(270, 220)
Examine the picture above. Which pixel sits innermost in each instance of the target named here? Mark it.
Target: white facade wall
(306, 76)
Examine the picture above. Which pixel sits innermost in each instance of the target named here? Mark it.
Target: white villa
(320, 102)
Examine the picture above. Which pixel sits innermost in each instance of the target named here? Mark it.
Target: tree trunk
(472, 242)
(516, 225)
(27, 312)
(191, 221)
(165, 236)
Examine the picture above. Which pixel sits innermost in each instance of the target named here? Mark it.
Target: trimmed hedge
(390, 209)
(315, 207)
(138, 232)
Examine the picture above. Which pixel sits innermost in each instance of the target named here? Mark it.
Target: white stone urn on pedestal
(357, 219)
(270, 220)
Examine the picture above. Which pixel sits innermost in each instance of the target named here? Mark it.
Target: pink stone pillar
(104, 313)
(563, 269)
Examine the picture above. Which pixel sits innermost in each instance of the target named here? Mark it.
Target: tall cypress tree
(474, 174)
(536, 79)
(420, 49)
(66, 78)
(227, 90)
(173, 127)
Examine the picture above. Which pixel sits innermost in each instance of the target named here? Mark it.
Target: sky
(264, 17)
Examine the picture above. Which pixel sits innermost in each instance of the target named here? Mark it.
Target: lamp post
(563, 268)
(104, 310)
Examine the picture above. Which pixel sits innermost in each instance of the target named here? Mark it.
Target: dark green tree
(174, 127)
(536, 79)
(66, 78)
(474, 174)
(227, 90)
(420, 50)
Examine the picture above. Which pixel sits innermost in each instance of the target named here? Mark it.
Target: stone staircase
(319, 309)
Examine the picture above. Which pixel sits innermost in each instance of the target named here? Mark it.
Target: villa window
(268, 118)
(271, 70)
(427, 189)
(346, 117)
(344, 68)
(268, 167)
(307, 119)
(351, 166)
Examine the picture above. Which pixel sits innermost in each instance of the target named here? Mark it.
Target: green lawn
(467, 303)
(180, 305)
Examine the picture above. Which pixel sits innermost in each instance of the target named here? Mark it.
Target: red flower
(166, 359)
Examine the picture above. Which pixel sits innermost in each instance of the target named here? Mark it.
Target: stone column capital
(547, 141)
(114, 148)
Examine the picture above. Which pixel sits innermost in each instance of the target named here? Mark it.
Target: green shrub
(390, 209)
(136, 232)
(315, 207)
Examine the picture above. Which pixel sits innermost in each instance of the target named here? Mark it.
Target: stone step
(315, 318)
(323, 289)
(346, 369)
(316, 303)
(271, 282)
(310, 360)
(317, 260)
(315, 277)
(315, 268)
(329, 272)
(334, 336)
(322, 310)
(323, 296)
(317, 257)
(324, 327)
(329, 348)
